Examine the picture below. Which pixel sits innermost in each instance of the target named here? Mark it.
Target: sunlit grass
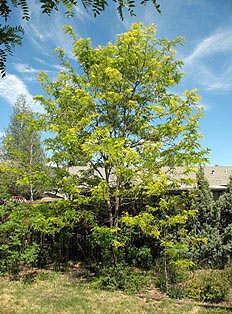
(55, 293)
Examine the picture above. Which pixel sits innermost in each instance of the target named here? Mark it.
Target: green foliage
(123, 278)
(116, 134)
(168, 219)
(12, 260)
(47, 276)
(51, 218)
(10, 36)
(224, 205)
(207, 285)
(204, 226)
(16, 249)
(140, 257)
(47, 6)
(118, 123)
(42, 233)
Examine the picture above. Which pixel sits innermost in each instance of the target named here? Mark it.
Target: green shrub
(47, 276)
(12, 260)
(140, 257)
(123, 278)
(171, 275)
(207, 285)
(16, 247)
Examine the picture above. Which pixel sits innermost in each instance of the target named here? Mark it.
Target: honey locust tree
(113, 115)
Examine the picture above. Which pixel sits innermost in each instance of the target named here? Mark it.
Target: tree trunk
(110, 214)
(117, 203)
(165, 272)
(31, 186)
(31, 193)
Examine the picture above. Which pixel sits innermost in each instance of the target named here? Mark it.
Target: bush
(140, 257)
(207, 285)
(171, 275)
(123, 278)
(16, 248)
(13, 260)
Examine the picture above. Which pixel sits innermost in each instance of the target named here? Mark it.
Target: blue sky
(206, 26)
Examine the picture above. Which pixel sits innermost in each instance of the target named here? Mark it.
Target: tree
(224, 205)
(23, 152)
(205, 225)
(12, 35)
(117, 119)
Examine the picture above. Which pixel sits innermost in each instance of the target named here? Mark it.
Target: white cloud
(222, 81)
(218, 42)
(46, 31)
(25, 68)
(210, 75)
(58, 67)
(82, 14)
(11, 87)
(28, 72)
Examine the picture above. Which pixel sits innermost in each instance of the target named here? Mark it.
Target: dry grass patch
(53, 293)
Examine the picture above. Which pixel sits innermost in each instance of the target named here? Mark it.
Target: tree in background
(24, 164)
(224, 205)
(11, 35)
(205, 225)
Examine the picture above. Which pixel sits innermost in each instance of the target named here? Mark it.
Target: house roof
(217, 176)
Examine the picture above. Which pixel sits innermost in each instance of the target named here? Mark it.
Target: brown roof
(217, 176)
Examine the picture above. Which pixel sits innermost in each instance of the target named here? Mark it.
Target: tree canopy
(117, 118)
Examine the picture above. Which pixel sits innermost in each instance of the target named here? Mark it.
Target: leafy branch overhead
(12, 35)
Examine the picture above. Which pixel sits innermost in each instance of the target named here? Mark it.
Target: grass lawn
(55, 293)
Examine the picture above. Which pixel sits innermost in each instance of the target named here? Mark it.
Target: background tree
(206, 223)
(224, 205)
(23, 153)
(12, 35)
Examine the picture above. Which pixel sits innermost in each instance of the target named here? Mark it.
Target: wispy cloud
(46, 32)
(220, 41)
(28, 72)
(212, 75)
(11, 87)
(82, 14)
(25, 68)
